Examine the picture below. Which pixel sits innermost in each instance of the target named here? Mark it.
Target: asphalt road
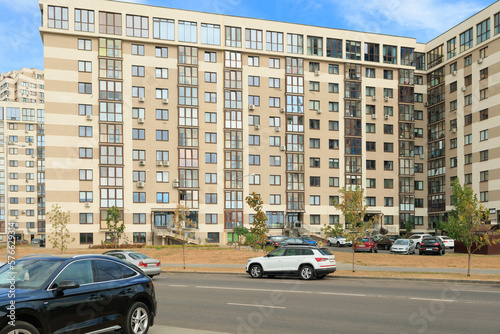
(240, 304)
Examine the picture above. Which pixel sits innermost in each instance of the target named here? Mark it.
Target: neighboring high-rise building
(148, 107)
(25, 85)
(22, 154)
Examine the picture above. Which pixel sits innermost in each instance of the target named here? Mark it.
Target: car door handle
(93, 297)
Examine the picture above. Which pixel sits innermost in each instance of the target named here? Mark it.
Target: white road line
(178, 286)
(341, 294)
(256, 305)
(435, 300)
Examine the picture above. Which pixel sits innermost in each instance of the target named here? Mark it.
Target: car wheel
(321, 276)
(256, 271)
(420, 253)
(376, 249)
(137, 321)
(329, 244)
(306, 272)
(20, 328)
(444, 251)
(338, 244)
(371, 250)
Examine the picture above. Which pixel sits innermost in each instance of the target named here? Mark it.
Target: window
(138, 134)
(163, 29)
(334, 48)
(333, 88)
(161, 52)
(483, 74)
(275, 180)
(370, 72)
(483, 94)
(388, 220)
(332, 125)
(388, 201)
(483, 176)
(253, 38)
(110, 23)
(254, 100)
(468, 159)
(274, 41)
(370, 91)
(187, 31)
(210, 117)
(274, 160)
(314, 200)
(314, 162)
(211, 158)
(210, 97)
(58, 17)
(389, 111)
(388, 183)
(84, 88)
(314, 142)
(333, 106)
(370, 201)
(162, 93)
(370, 165)
(233, 37)
(255, 81)
(483, 31)
(370, 127)
(468, 61)
(162, 197)
(274, 63)
(483, 196)
(210, 34)
(388, 165)
(483, 135)
(274, 102)
(372, 52)
(253, 61)
(161, 114)
(388, 92)
(274, 199)
(86, 196)
(84, 66)
(210, 57)
(254, 140)
(388, 147)
(84, 44)
(273, 82)
(468, 100)
(138, 26)
(333, 69)
(390, 54)
(453, 105)
(210, 198)
(483, 114)
(353, 50)
(388, 74)
(466, 40)
(295, 43)
(483, 155)
(84, 20)
(85, 153)
(85, 131)
(139, 197)
(254, 179)
(370, 146)
(161, 73)
(451, 47)
(314, 46)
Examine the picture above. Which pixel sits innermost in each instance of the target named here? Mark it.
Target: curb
(348, 277)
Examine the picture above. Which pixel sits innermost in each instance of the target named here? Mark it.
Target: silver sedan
(403, 246)
(150, 266)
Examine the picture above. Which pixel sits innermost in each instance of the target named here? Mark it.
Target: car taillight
(436, 244)
(158, 264)
(321, 259)
(142, 264)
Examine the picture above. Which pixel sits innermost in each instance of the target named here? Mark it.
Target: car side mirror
(68, 284)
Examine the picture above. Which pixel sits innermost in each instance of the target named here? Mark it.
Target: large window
(466, 40)
(314, 46)
(187, 32)
(390, 54)
(353, 50)
(253, 38)
(274, 41)
(84, 20)
(372, 52)
(334, 48)
(210, 34)
(483, 31)
(233, 37)
(58, 17)
(163, 29)
(137, 26)
(110, 23)
(295, 43)
(451, 47)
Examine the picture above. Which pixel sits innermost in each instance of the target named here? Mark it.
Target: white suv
(417, 238)
(304, 261)
(338, 241)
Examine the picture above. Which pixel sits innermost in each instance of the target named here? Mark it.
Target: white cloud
(389, 16)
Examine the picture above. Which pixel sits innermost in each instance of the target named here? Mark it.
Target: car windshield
(446, 238)
(277, 252)
(431, 240)
(365, 240)
(138, 256)
(325, 251)
(307, 238)
(278, 238)
(401, 242)
(28, 274)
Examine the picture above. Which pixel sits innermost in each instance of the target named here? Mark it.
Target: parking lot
(335, 249)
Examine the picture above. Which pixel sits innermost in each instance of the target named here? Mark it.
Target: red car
(365, 244)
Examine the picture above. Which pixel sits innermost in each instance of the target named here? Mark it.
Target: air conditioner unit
(251, 107)
(386, 99)
(386, 116)
(88, 117)
(140, 120)
(316, 73)
(464, 89)
(426, 104)
(23, 212)
(142, 163)
(141, 99)
(374, 98)
(277, 129)
(87, 204)
(374, 116)
(282, 148)
(454, 73)
(176, 181)
(480, 61)
(158, 163)
(454, 130)
(297, 224)
(166, 163)
(33, 156)
(319, 111)
(25, 131)
(422, 156)
(140, 184)
(175, 184)
(257, 127)
(282, 110)
(164, 101)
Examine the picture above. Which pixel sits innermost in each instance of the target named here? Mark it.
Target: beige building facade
(148, 107)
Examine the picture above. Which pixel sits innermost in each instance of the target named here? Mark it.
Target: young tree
(465, 219)
(259, 225)
(115, 227)
(182, 222)
(59, 236)
(353, 208)
(240, 231)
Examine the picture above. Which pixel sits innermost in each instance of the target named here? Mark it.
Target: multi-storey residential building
(22, 169)
(25, 85)
(148, 107)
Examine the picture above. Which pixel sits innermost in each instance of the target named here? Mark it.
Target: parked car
(384, 242)
(418, 239)
(432, 245)
(39, 242)
(298, 260)
(150, 266)
(21, 242)
(394, 236)
(403, 246)
(295, 241)
(309, 240)
(272, 240)
(77, 294)
(338, 241)
(448, 242)
(366, 244)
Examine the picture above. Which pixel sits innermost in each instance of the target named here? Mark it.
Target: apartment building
(25, 85)
(22, 169)
(148, 107)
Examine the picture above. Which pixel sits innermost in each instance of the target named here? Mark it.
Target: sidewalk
(347, 266)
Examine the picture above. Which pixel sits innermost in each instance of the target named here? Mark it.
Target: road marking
(434, 300)
(256, 305)
(178, 286)
(341, 294)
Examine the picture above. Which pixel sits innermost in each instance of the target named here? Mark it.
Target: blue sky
(421, 19)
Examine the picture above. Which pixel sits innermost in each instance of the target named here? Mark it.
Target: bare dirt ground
(224, 255)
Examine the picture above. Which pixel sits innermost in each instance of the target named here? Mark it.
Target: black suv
(77, 294)
(432, 245)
